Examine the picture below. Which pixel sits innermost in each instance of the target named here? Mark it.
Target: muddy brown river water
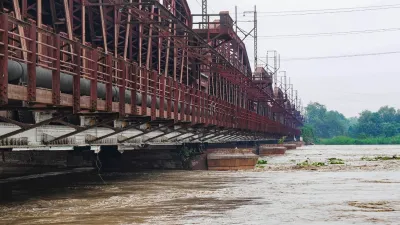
(358, 192)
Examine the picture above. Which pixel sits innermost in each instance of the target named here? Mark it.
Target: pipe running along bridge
(128, 72)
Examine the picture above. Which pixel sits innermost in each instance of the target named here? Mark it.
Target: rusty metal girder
(82, 129)
(118, 131)
(146, 132)
(157, 136)
(29, 127)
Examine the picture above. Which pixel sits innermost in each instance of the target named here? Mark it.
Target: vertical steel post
(162, 95)
(182, 98)
(176, 100)
(145, 84)
(93, 81)
(255, 38)
(154, 78)
(4, 59)
(169, 100)
(122, 87)
(207, 109)
(198, 105)
(204, 13)
(202, 107)
(32, 65)
(193, 104)
(77, 78)
(56, 73)
(236, 20)
(134, 70)
(109, 80)
(187, 103)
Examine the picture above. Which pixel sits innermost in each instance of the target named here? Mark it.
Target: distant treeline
(344, 140)
(331, 127)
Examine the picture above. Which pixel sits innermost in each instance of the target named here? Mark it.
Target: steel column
(109, 84)
(93, 81)
(122, 82)
(31, 84)
(145, 84)
(56, 72)
(154, 78)
(3, 59)
(77, 78)
(162, 96)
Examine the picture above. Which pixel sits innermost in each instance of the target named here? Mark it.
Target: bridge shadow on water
(47, 183)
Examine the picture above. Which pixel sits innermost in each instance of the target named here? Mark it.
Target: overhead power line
(331, 33)
(332, 9)
(329, 11)
(342, 56)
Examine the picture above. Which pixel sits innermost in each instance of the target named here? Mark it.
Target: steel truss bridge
(126, 72)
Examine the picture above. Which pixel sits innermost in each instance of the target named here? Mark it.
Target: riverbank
(336, 158)
(344, 140)
(356, 192)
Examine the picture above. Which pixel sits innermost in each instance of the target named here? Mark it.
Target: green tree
(308, 134)
(389, 130)
(326, 124)
(369, 123)
(387, 114)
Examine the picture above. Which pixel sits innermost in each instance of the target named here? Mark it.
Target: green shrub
(335, 161)
(307, 164)
(318, 164)
(344, 140)
(262, 162)
(380, 158)
(282, 140)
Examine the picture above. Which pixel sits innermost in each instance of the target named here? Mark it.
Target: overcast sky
(348, 85)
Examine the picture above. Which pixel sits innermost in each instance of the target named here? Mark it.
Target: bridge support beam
(168, 124)
(119, 130)
(163, 134)
(208, 135)
(29, 127)
(78, 130)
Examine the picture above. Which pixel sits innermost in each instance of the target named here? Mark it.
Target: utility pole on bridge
(255, 33)
(204, 13)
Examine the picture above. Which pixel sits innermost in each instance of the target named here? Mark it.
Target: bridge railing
(160, 96)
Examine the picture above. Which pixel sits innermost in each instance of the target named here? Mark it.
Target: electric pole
(254, 35)
(204, 13)
(255, 39)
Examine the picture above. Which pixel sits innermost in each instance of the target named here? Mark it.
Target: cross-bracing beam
(219, 136)
(194, 134)
(133, 126)
(82, 129)
(29, 127)
(208, 138)
(146, 132)
(179, 129)
(181, 134)
(213, 133)
(225, 137)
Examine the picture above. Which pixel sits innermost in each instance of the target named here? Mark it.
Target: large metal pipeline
(17, 72)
